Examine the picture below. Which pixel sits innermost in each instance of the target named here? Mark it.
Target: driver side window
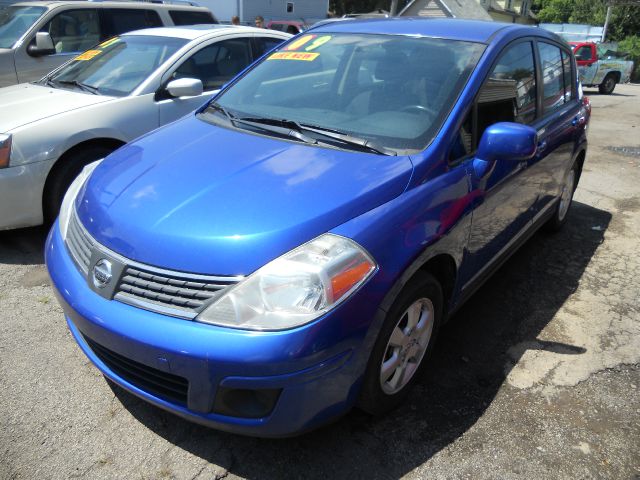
(216, 64)
(74, 30)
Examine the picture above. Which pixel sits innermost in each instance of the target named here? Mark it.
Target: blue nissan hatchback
(289, 250)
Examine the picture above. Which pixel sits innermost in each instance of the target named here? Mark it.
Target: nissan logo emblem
(102, 273)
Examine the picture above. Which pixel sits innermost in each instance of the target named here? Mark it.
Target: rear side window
(509, 94)
(74, 30)
(122, 20)
(553, 82)
(264, 44)
(218, 63)
(182, 17)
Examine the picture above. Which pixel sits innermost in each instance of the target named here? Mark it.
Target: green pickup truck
(601, 69)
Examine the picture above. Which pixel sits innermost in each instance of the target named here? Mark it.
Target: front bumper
(21, 194)
(316, 367)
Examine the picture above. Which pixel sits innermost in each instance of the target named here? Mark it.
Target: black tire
(608, 84)
(561, 212)
(373, 399)
(61, 176)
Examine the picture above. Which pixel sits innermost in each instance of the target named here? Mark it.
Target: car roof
(191, 32)
(450, 28)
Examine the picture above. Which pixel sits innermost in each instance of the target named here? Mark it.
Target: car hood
(205, 199)
(26, 103)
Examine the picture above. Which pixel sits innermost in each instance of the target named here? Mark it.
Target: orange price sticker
(302, 56)
(88, 55)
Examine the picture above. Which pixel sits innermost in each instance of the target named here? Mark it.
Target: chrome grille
(164, 291)
(79, 244)
(178, 291)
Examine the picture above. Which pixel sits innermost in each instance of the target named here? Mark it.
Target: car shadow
(24, 246)
(473, 357)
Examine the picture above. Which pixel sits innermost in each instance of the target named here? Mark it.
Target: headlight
(296, 288)
(5, 150)
(72, 192)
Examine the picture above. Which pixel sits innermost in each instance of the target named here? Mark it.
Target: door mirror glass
(507, 141)
(185, 87)
(42, 46)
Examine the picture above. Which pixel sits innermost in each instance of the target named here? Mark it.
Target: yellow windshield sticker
(318, 42)
(108, 43)
(300, 42)
(305, 57)
(88, 55)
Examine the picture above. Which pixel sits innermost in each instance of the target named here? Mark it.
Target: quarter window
(120, 20)
(185, 17)
(74, 30)
(568, 77)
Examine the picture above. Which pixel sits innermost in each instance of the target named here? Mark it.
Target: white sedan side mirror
(185, 87)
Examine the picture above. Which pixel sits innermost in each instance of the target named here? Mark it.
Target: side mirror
(185, 87)
(43, 45)
(506, 141)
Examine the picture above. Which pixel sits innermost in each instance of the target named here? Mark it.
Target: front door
(214, 64)
(72, 31)
(507, 191)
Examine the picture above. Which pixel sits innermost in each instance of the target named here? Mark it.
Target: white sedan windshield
(116, 67)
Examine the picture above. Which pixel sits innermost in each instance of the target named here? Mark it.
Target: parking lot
(538, 376)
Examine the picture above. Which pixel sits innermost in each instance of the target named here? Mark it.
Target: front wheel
(403, 345)
(608, 85)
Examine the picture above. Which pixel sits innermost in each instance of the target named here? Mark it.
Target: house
(511, 11)
(309, 11)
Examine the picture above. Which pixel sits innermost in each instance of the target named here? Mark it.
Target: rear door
(559, 123)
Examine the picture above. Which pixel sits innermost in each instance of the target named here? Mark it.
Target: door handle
(542, 146)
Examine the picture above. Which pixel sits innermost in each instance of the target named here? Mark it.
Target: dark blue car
(291, 249)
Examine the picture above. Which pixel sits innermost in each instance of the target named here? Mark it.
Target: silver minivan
(36, 37)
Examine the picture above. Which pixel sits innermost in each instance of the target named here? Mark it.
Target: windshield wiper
(80, 85)
(349, 139)
(280, 127)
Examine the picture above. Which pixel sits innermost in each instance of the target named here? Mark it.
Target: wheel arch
(65, 157)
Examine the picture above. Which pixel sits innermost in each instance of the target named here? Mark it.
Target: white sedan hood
(26, 103)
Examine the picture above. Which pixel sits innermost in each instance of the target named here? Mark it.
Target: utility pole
(606, 23)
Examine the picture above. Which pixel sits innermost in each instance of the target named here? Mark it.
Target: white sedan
(104, 98)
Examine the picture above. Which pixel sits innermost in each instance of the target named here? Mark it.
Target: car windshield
(15, 21)
(116, 67)
(389, 90)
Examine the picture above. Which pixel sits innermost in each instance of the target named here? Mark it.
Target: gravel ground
(538, 376)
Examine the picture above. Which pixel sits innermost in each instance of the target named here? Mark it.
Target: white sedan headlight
(295, 288)
(72, 192)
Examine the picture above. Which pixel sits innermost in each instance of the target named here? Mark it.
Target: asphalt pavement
(538, 376)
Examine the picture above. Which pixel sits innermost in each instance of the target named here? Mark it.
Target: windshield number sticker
(108, 43)
(300, 42)
(88, 55)
(303, 56)
(318, 42)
